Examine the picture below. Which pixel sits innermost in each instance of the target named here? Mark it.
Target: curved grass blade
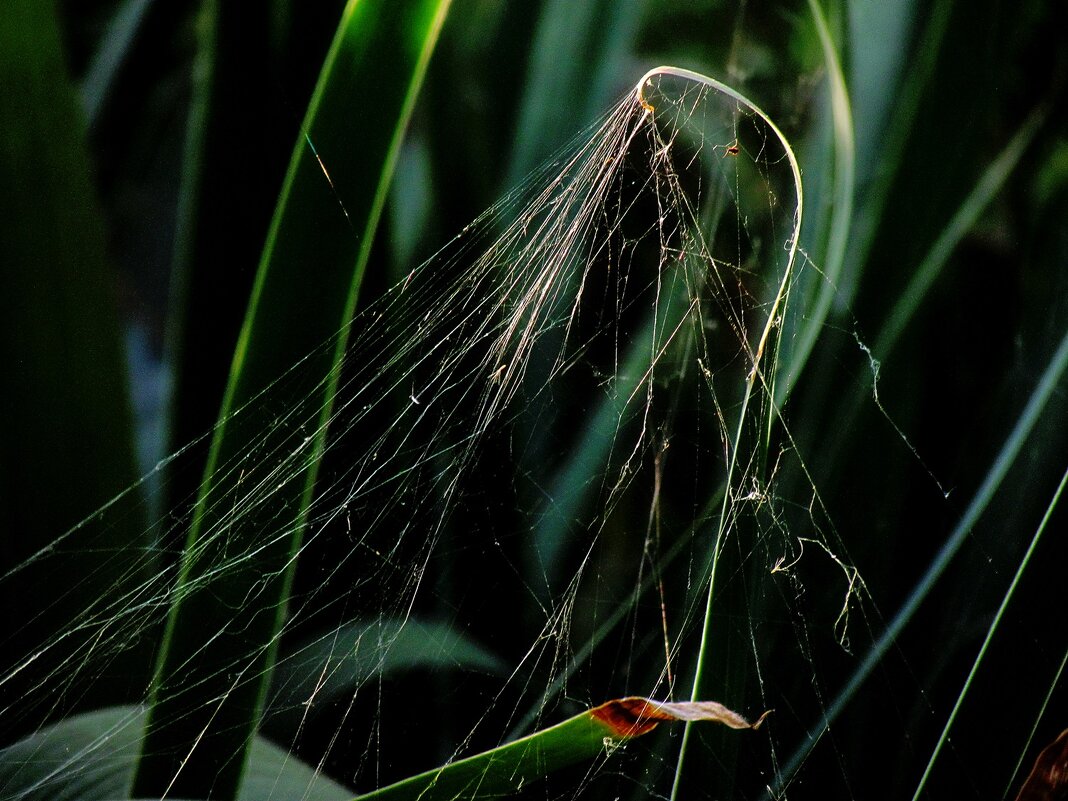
(766, 343)
(216, 658)
(815, 311)
(585, 736)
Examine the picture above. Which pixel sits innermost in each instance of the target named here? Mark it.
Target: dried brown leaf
(630, 717)
(1049, 777)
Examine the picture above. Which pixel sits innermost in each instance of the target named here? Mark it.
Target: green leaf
(887, 96)
(91, 757)
(233, 170)
(999, 616)
(109, 58)
(578, 52)
(964, 219)
(833, 221)
(66, 442)
(343, 660)
(585, 736)
(223, 628)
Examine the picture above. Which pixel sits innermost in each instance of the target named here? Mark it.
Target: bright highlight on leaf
(381, 44)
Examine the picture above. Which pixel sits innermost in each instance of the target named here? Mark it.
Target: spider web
(555, 473)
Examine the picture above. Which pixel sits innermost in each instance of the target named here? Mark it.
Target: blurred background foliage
(138, 195)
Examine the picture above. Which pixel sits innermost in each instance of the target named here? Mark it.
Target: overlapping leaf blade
(305, 292)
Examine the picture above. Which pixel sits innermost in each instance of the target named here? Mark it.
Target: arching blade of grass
(222, 632)
(585, 736)
(814, 310)
(66, 440)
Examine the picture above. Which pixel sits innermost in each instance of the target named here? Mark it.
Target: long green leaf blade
(306, 290)
(583, 737)
(998, 617)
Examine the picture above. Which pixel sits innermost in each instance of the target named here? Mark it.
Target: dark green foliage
(66, 445)
(930, 309)
(381, 51)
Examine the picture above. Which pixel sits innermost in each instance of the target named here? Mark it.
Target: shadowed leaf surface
(91, 757)
(66, 440)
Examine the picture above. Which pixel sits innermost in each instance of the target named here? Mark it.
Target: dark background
(938, 91)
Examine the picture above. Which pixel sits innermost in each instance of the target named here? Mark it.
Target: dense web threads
(564, 414)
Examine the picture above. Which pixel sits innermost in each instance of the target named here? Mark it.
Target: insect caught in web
(733, 149)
